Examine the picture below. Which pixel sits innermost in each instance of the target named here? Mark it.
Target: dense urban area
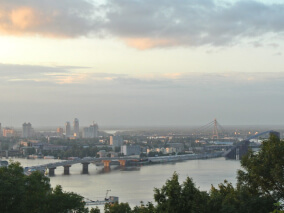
(75, 142)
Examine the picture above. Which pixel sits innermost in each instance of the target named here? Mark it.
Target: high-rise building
(27, 130)
(67, 129)
(0, 130)
(8, 132)
(116, 141)
(91, 131)
(130, 150)
(59, 131)
(76, 128)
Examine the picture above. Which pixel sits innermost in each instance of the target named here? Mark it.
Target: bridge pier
(85, 168)
(106, 163)
(66, 169)
(51, 171)
(122, 162)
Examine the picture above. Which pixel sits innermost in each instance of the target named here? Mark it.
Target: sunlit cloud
(49, 18)
(84, 75)
(71, 78)
(28, 73)
(148, 43)
(173, 75)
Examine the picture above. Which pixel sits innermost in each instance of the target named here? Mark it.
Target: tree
(95, 210)
(65, 202)
(12, 188)
(185, 198)
(148, 208)
(33, 193)
(36, 189)
(264, 170)
(227, 199)
(117, 208)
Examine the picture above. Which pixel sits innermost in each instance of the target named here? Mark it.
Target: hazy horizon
(141, 63)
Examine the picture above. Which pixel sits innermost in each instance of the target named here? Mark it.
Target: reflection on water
(135, 184)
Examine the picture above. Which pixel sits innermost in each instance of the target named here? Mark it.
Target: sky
(141, 62)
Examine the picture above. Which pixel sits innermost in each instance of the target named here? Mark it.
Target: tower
(27, 130)
(215, 130)
(76, 128)
(67, 129)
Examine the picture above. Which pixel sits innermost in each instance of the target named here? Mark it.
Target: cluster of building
(27, 131)
(68, 132)
(88, 132)
(172, 148)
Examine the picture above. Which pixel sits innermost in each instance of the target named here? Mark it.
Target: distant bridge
(84, 161)
(239, 150)
(122, 160)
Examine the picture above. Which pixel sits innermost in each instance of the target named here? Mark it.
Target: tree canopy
(33, 193)
(264, 170)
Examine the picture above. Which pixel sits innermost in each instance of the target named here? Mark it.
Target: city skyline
(141, 63)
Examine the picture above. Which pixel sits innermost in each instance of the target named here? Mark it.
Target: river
(137, 185)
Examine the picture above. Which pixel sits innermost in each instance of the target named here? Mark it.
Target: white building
(27, 130)
(91, 131)
(116, 141)
(67, 129)
(130, 150)
(102, 153)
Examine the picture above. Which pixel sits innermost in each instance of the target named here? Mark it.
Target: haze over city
(141, 63)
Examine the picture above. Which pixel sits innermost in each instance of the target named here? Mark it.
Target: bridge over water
(122, 161)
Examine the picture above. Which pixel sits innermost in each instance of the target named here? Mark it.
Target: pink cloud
(148, 43)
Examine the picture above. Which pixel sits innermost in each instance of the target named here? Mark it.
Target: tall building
(67, 129)
(0, 130)
(116, 141)
(91, 131)
(59, 131)
(27, 130)
(130, 150)
(76, 128)
(8, 132)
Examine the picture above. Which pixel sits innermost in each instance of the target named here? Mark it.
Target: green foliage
(95, 210)
(185, 198)
(227, 199)
(117, 208)
(278, 207)
(65, 202)
(263, 171)
(148, 208)
(12, 188)
(33, 193)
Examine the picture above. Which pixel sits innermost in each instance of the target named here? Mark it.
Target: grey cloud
(9, 70)
(160, 23)
(32, 73)
(278, 54)
(86, 78)
(190, 22)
